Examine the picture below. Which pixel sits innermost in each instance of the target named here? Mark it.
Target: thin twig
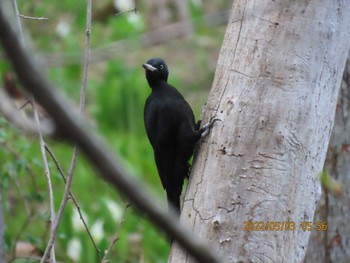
(60, 170)
(24, 104)
(76, 149)
(48, 178)
(126, 11)
(134, 9)
(58, 166)
(19, 119)
(15, 8)
(42, 143)
(33, 18)
(116, 235)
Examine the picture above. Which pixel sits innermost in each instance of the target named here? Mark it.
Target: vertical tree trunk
(333, 245)
(275, 90)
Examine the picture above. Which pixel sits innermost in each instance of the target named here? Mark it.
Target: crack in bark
(266, 20)
(243, 74)
(235, 50)
(268, 168)
(198, 213)
(224, 152)
(226, 209)
(239, 32)
(260, 188)
(203, 218)
(266, 155)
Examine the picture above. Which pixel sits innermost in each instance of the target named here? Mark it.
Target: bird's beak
(149, 67)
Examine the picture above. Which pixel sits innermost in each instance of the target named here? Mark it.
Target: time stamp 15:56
(284, 226)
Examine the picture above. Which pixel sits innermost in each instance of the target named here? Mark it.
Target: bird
(171, 129)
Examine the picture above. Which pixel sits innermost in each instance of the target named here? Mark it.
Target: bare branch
(24, 104)
(18, 118)
(76, 149)
(33, 18)
(42, 143)
(48, 177)
(71, 126)
(129, 10)
(15, 8)
(116, 235)
(126, 11)
(60, 170)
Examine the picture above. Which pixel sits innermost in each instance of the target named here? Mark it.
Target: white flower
(76, 221)
(123, 5)
(97, 230)
(114, 209)
(63, 28)
(74, 249)
(135, 20)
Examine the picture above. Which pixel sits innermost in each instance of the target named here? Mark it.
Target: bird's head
(156, 71)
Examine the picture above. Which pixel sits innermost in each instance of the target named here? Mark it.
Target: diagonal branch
(42, 143)
(76, 149)
(75, 202)
(72, 127)
(48, 177)
(116, 235)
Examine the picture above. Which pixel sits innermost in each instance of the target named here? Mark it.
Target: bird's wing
(162, 125)
(165, 158)
(160, 121)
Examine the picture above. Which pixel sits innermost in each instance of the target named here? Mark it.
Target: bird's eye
(161, 66)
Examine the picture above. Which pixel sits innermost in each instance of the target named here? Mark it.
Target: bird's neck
(157, 84)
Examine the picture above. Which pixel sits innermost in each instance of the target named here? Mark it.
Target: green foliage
(121, 98)
(330, 184)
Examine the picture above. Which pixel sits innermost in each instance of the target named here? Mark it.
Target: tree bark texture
(275, 90)
(333, 245)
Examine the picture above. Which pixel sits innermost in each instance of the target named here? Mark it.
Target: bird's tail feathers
(180, 172)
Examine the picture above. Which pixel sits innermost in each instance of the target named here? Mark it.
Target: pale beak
(149, 67)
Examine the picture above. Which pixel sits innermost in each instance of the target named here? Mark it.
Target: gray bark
(275, 90)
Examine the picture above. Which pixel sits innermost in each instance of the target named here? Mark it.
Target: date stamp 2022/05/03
(284, 226)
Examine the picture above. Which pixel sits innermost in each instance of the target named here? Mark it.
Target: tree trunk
(275, 90)
(333, 245)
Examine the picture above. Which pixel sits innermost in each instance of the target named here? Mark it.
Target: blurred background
(187, 34)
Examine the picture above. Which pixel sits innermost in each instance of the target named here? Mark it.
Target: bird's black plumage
(171, 129)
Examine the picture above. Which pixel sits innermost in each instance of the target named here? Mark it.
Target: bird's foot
(206, 128)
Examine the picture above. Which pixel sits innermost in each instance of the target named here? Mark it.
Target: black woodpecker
(171, 129)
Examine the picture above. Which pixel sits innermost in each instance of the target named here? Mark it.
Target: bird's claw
(206, 128)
